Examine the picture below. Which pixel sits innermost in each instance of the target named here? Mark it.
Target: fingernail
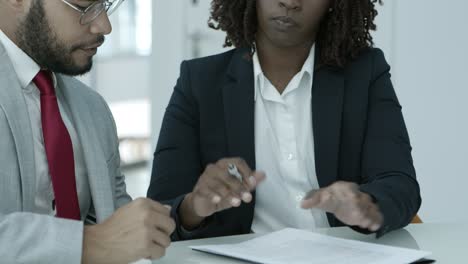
(216, 199)
(235, 202)
(252, 181)
(246, 197)
(375, 227)
(168, 207)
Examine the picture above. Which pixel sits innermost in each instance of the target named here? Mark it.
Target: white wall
(430, 65)
(425, 42)
(122, 78)
(169, 40)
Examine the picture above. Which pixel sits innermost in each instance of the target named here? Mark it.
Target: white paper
(294, 246)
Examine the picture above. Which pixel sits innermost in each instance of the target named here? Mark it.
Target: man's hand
(348, 204)
(136, 231)
(216, 191)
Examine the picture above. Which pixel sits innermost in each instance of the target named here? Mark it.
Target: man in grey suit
(62, 195)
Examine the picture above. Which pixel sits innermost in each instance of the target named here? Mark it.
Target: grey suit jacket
(26, 237)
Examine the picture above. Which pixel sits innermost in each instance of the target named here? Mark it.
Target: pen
(424, 261)
(232, 170)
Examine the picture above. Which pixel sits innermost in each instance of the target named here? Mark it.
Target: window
(131, 30)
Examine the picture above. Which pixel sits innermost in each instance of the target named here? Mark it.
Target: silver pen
(232, 170)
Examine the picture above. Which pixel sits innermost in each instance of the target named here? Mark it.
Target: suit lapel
(96, 164)
(327, 108)
(14, 106)
(238, 98)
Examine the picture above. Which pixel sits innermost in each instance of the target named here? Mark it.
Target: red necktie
(59, 150)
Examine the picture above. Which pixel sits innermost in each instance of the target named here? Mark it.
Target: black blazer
(359, 135)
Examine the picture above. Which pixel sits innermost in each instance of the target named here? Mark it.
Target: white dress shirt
(284, 150)
(26, 69)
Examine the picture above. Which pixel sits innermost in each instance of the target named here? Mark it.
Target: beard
(36, 38)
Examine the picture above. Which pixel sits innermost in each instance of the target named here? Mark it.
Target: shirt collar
(259, 77)
(25, 67)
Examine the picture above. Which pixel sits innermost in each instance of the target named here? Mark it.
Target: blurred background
(425, 42)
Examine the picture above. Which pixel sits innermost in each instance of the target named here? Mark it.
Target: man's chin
(81, 62)
(75, 70)
(82, 70)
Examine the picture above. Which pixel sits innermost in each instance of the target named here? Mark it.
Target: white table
(448, 242)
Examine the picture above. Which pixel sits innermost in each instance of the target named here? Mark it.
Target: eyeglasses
(90, 13)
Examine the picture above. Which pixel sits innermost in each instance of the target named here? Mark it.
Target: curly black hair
(343, 34)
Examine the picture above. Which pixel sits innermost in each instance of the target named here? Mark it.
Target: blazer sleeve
(387, 165)
(176, 165)
(34, 238)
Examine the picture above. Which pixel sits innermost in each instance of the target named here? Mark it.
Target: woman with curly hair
(297, 126)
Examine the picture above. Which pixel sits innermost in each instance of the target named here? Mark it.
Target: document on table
(294, 246)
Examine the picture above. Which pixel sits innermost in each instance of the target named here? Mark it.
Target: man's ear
(11, 13)
(13, 3)
(18, 6)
